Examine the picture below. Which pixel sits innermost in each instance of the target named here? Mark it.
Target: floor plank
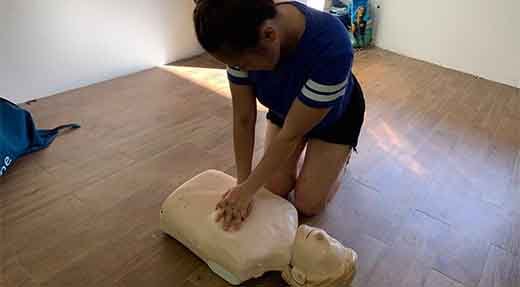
(436, 279)
(204, 277)
(501, 270)
(430, 199)
(426, 244)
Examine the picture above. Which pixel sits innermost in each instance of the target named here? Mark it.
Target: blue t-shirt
(317, 72)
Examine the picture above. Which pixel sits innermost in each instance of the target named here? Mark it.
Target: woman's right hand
(234, 207)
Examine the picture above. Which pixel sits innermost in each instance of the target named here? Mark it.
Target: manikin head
(243, 34)
(319, 260)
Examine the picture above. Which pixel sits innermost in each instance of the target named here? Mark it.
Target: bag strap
(69, 126)
(55, 131)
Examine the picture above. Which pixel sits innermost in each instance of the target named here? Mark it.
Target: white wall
(51, 46)
(517, 54)
(480, 37)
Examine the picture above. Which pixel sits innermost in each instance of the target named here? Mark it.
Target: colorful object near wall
(355, 15)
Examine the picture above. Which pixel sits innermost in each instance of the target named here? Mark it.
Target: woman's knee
(309, 206)
(282, 184)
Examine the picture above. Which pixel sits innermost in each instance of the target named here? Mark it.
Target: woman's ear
(268, 34)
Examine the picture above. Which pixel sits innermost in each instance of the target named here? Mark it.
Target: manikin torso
(269, 240)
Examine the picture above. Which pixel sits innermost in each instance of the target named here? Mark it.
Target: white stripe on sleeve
(326, 88)
(322, 98)
(237, 73)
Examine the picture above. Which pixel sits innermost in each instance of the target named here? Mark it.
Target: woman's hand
(235, 207)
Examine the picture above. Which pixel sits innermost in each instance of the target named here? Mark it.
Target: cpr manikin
(269, 240)
(319, 260)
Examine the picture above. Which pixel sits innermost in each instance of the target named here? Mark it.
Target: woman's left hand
(234, 207)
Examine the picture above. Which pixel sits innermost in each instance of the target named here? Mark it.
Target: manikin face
(264, 57)
(319, 260)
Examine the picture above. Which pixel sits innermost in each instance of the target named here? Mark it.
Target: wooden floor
(431, 199)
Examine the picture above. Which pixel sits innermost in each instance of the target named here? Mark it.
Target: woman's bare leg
(323, 169)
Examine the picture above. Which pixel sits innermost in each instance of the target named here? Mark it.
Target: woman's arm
(235, 206)
(300, 120)
(244, 120)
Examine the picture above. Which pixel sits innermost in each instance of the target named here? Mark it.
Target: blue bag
(19, 136)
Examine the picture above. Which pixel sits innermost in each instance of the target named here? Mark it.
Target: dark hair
(230, 25)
